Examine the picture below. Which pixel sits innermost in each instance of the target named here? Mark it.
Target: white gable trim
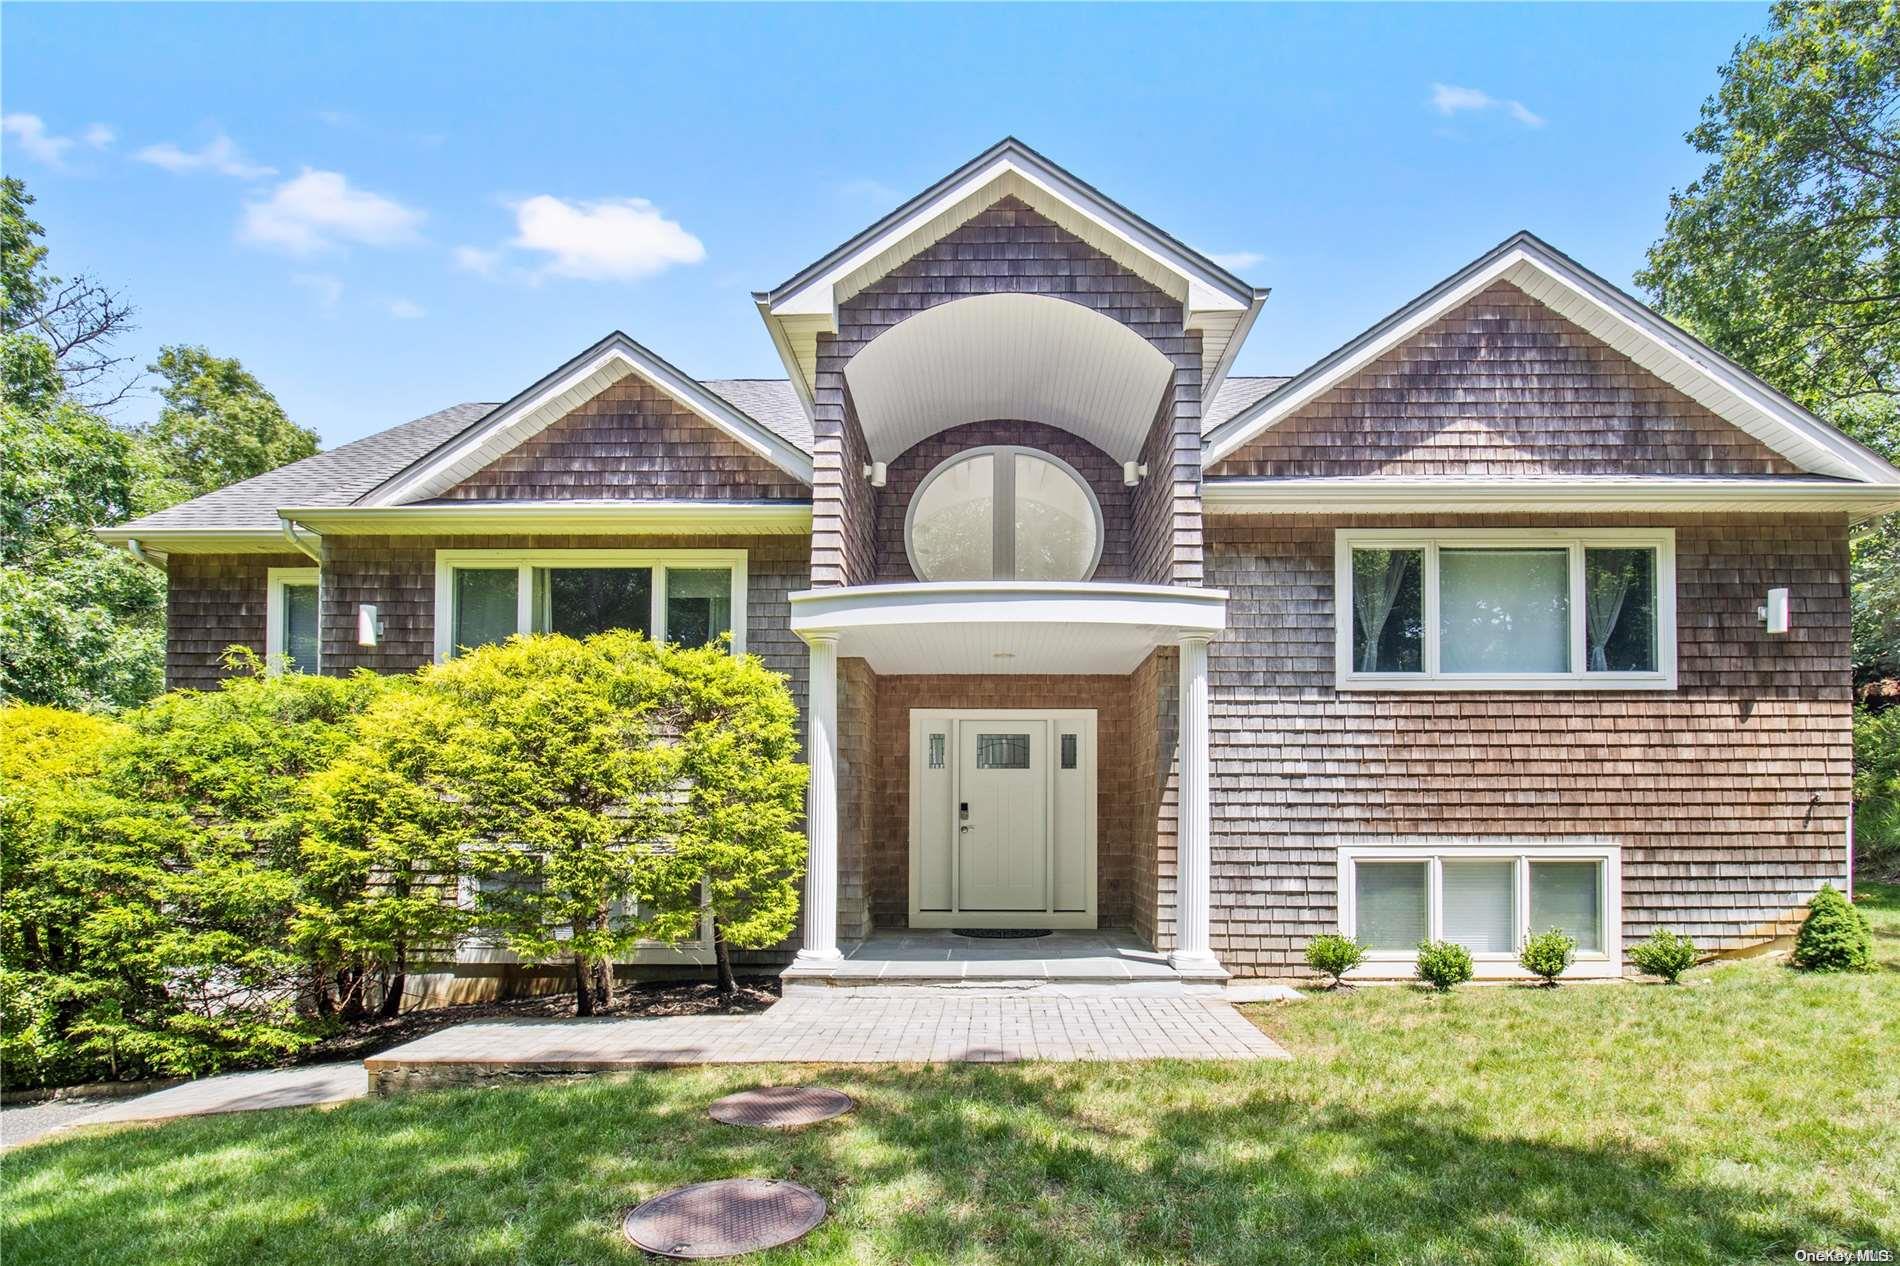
(1215, 303)
(554, 397)
(1572, 291)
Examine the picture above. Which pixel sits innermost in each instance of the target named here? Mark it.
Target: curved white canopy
(1031, 357)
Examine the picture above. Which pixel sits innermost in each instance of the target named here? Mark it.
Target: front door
(1003, 815)
(1002, 818)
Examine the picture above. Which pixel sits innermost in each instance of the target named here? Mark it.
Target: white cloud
(99, 136)
(219, 154)
(405, 309)
(1449, 99)
(318, 210)
(1234, 261)
(29, 133)
(475, 260)
(618, 239)
(328, 289)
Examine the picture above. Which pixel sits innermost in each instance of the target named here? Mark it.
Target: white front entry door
(1002, 818)
(1003, 815)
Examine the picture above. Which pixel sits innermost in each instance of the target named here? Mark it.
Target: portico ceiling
(1016, 356)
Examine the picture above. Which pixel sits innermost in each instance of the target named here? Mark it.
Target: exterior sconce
(1133, 473)
(369, 625)
(1774, 614)
(876, 472)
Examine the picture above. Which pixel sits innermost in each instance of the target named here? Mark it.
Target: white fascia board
(629, 517)
(196, 540)
(1791, 427)
(495, 435)
(1008, 602)
(1381, 495)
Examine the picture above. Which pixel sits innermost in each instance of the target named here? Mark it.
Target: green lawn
(1736, 1120)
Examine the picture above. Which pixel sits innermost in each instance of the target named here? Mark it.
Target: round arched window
(1004, 513)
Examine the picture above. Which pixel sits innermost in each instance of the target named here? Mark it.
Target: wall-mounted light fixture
(369, 625)
(876, 472)
(1133, 473)
(1774, 613)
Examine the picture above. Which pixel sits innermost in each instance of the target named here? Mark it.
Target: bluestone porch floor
(840, 1026)
(1107, 956)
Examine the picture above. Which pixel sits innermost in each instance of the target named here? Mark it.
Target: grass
(1752, 1113)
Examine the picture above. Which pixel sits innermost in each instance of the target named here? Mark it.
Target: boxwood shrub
(1664, 954)
(1442, 964)
(1333, 955)
(1547, 955)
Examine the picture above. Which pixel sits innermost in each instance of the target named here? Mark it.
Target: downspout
(296, 542)
(137, 551)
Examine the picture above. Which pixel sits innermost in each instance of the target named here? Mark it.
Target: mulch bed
(631, 1001)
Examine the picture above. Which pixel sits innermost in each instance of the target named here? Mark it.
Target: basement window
(1486, 896)
(1505, 609)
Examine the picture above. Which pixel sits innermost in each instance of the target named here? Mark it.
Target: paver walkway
(858, 1026)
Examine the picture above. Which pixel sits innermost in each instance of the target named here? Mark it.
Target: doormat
(1002, 934)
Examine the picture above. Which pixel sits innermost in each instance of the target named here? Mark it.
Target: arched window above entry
(1004, 513)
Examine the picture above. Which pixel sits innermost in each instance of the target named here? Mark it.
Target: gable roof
(1215, 302)
(554, 396)
(1604, 311)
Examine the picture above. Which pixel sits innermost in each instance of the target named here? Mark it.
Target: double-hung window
(1488, 897)
(291, 640)
(1506, 609)
(687, 597)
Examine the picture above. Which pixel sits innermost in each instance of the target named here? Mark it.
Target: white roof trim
(546, 402)
(1384, 494)
(197, 540)
(1579, 295)
(632, 518)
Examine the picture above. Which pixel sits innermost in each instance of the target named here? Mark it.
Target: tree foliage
(1835, 936)
(1782, 253)
(82, 624)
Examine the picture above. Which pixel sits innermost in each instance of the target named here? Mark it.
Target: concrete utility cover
(724, 1218)
(781, 1107)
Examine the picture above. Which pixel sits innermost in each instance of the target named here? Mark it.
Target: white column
(821, 805)
(1193, 889)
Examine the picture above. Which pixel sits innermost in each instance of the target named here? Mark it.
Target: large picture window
(687, 597)
(1506, 609)
(1488, 897)
(1004, 513)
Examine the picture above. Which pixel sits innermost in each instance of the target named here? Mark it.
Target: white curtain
(1377, 577)
(1479, 899)
(1608, 574)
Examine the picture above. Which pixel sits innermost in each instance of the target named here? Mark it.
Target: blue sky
(386, 209)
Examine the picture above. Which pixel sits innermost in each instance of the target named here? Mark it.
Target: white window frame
(1003, 493)
(1346, 675)
(1607, 962)
(524, 562)
(276, 579)
(482, 945)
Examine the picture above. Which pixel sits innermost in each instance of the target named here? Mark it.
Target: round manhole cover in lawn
(781, 1107)
(1002, 934)
(724, 1218)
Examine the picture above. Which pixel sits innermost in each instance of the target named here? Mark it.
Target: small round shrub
(1442, 964)
(1664, 954)
(1333, 955)
(1835, 936)
(1547, 955)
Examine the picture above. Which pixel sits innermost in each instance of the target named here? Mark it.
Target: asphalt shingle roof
(342, 475)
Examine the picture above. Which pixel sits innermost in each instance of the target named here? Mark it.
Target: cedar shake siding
(1103, 474)
(1008, 248)
(397, 574)
(630, 442)
(213, 602)
(1729, 795)
(1503, 386)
